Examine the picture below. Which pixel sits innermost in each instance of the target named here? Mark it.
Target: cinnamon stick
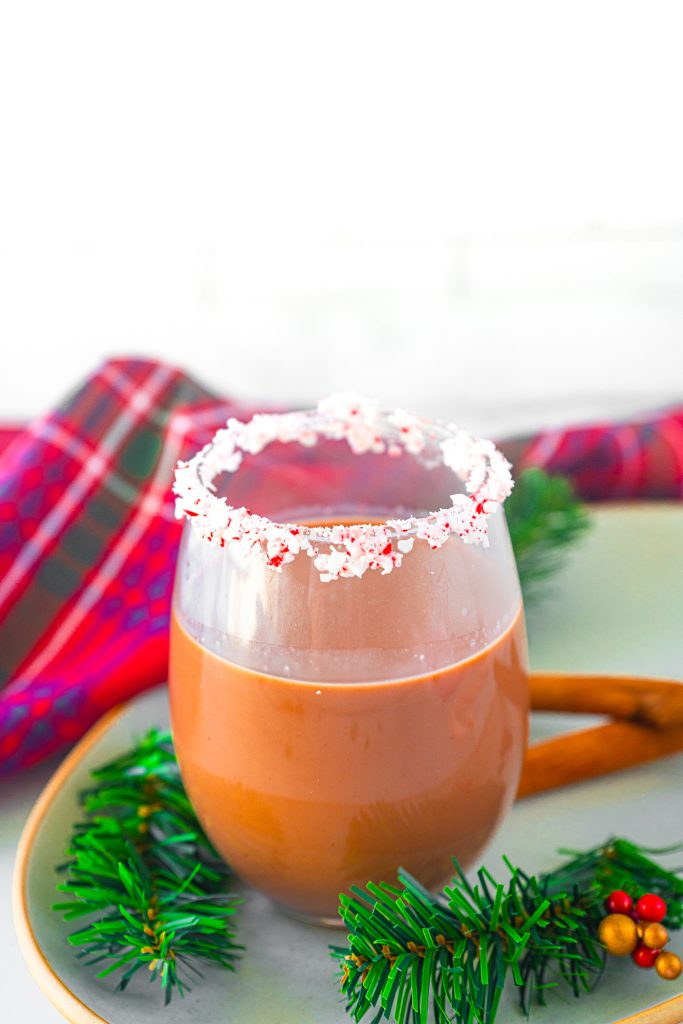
(656, 702)
(577, 756)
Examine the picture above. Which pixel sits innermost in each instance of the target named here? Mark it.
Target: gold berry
(668, 966)
(655, 935)
(618, 934)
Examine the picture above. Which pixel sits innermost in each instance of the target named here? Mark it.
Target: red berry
(643, 956)
(619, 902)
(651, 907)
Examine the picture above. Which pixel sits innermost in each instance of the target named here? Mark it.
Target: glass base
(313, 919)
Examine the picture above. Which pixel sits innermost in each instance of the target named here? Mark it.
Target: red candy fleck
(387, 549)
(651, 907)
(619, 902)
(643, 956)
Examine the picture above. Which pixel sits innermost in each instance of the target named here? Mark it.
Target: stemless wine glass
(349, 687)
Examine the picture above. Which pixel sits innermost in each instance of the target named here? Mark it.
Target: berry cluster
(637, 929)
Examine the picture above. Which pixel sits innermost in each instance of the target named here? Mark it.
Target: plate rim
(52, 986)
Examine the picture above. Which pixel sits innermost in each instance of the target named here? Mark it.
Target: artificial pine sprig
(410, 952)
(544, 518)
(146, 876)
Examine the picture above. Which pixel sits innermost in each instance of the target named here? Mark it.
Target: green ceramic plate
(617, 607)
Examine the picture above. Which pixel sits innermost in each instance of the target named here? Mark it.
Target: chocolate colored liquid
(308, 786)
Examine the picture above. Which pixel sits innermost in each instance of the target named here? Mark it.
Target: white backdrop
(474, 210)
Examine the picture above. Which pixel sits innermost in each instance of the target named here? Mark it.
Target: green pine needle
(145, 875)
(411, 953)
(545, 519)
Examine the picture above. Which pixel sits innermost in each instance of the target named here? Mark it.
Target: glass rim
(353, 548)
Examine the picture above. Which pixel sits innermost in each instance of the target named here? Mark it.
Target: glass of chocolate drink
(348, 673)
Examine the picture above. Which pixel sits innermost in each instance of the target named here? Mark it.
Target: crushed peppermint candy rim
(351, 550)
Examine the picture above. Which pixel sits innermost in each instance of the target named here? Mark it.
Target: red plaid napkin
(88, 538)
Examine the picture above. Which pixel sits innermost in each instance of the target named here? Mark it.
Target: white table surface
(556, 629)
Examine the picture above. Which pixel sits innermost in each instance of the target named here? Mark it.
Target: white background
(471, 209)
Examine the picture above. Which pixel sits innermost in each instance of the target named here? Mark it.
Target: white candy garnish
(351, 550)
